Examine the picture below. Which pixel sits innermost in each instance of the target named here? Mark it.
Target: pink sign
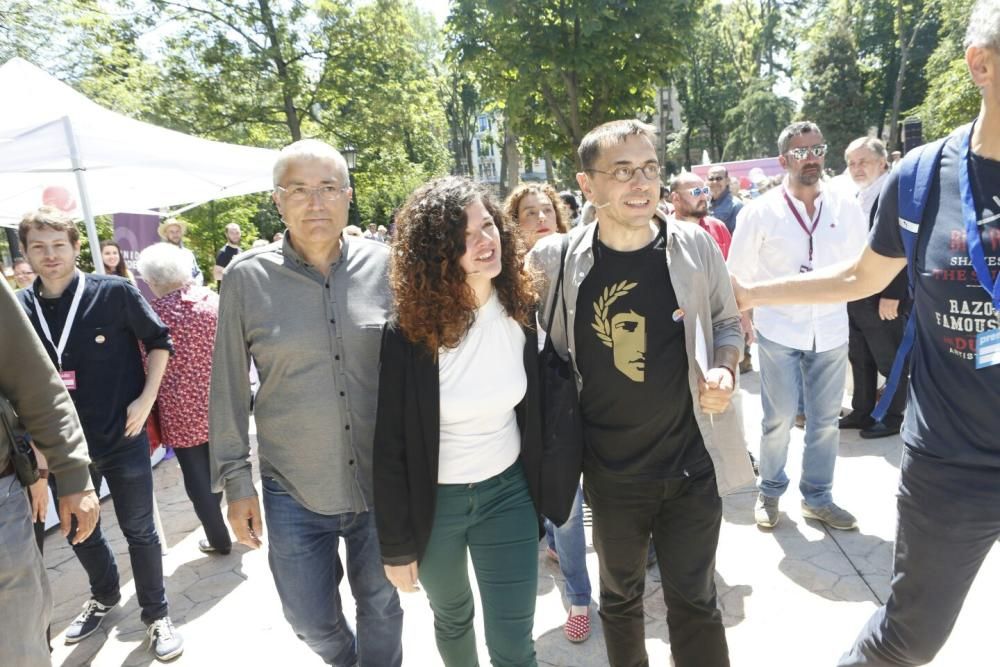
(741, 169)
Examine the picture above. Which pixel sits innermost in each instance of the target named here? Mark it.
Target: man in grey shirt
(309, 313)
(30, 382)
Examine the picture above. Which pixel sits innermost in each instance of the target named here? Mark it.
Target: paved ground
(795, 596)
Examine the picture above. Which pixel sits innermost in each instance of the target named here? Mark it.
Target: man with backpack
(940, 215)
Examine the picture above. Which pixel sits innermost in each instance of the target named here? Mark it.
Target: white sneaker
(164, 640)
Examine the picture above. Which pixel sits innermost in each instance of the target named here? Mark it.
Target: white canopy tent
(55, 140)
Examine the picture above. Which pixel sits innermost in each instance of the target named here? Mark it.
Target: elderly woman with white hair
(191, 312)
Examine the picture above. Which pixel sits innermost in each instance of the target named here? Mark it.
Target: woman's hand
(403, 577)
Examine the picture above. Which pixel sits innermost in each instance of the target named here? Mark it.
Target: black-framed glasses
(817, 150)
(300, 193)
(623, 174)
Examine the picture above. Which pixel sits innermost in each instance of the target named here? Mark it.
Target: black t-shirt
(103, 350)
(636, 404)
(953, 411)
(226, 255)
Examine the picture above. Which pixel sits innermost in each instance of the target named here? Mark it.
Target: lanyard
(64, 337)
(973, 242)
(798, 218)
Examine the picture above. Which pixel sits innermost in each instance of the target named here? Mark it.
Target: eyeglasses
(300, 193)
(818, 150)
(624, 174)
(716, 179)
(699, 192)
(23, 274)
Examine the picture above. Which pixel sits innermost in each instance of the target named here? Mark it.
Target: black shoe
(879, 430)
(206, 548)
(857, 420)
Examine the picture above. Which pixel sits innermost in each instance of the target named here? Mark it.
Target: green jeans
(496, 522)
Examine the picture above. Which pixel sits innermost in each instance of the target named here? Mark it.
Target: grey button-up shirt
(315, 342)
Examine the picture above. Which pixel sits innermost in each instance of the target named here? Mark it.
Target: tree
(835, 97)
(560, 67)
(757, 121)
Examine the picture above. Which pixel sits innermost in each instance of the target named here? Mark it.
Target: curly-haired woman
(539, 211)
(457, 435)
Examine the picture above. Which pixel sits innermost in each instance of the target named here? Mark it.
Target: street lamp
(350, 153)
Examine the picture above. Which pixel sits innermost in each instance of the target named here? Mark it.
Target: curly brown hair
(524, 189)
(434, 304)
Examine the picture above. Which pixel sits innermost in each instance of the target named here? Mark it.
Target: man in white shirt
(796, 228)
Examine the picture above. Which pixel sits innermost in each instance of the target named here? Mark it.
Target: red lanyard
(798, 218)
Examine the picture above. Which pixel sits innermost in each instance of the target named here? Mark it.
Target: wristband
(732, 373)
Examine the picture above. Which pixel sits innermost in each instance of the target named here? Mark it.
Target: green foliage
(757, 121)
(558, 68)
(835, 98)
(207, 223)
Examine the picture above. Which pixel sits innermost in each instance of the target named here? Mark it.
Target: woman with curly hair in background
(539, 211)
(457, 433)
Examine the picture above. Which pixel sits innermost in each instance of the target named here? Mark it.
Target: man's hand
(715, 391)
(86, 507)
(245, 519)
(403, 577)
(137, 414)
(39, 499)
(741, 293)
(888, 309)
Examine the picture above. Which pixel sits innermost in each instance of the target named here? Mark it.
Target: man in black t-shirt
(228, 252)
(949, 495)
(652, 328)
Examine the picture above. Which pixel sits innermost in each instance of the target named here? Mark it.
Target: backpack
(916, 177)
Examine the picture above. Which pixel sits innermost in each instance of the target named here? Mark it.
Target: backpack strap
(917, 172)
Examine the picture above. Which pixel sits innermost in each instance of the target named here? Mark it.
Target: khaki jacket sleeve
(29, 380)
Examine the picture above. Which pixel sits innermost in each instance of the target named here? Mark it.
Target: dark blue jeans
(302, 552)
(949, 519)
(130, 480)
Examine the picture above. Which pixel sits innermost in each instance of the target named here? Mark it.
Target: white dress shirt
(769, 243)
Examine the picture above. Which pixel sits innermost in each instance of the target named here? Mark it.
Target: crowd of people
(398, 397)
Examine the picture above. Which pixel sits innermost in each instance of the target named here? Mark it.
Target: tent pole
(81, 186)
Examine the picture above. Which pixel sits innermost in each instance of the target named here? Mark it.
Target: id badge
(988, 348)
(805, 269)
(69, 379)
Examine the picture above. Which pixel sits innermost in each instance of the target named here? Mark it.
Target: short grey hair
(165, 264)
(612, 132)
(873, 144)
(233, 225)
(682, 177)
(794, 130)
(984, 25)
(306, 149)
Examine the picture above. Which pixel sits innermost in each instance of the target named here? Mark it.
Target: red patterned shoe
(577, 628)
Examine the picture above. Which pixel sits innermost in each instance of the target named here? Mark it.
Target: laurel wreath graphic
(601, 323)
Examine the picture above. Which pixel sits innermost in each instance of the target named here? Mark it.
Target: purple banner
(134, 233)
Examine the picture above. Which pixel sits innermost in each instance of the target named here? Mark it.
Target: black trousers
(949, 519)
(684, 517)
(871, 350)
(198, 485)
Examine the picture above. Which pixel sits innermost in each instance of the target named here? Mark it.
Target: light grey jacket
(701, 282)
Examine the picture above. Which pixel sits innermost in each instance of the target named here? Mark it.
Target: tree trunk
(513, 158)
(287, 98)
(550, 176)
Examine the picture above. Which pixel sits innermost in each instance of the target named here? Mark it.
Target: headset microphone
(598, 207)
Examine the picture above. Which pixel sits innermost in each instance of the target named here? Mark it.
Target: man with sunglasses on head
(795, 228)
(651, 329)
(724, 205)
(308, 311)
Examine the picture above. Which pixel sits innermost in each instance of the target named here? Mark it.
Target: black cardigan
(407, 440)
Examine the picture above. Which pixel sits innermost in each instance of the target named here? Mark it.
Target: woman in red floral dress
(191, 312)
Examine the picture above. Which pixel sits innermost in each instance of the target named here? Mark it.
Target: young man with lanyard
(654, 336)
(797, 228)
(91, 327)
(949, 496)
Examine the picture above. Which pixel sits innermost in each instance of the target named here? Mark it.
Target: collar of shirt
(67, 293)
(288, 250)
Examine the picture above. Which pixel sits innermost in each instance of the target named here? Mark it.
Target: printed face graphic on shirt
(624, 332)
